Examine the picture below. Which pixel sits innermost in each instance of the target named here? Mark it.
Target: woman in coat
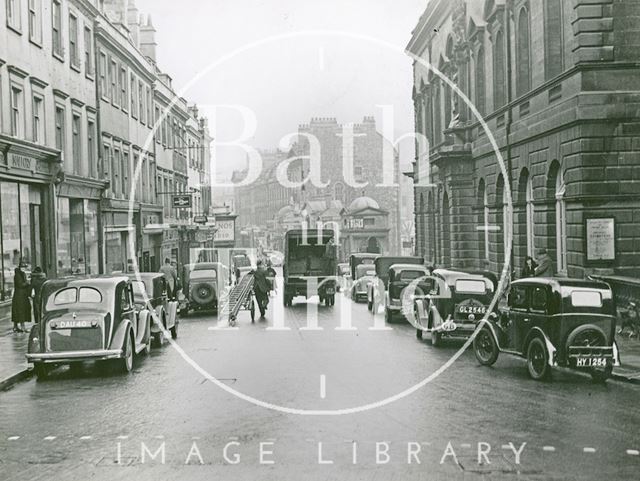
(20, 305)
(529, 269)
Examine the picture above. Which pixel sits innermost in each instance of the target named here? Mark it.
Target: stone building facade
(554, 81)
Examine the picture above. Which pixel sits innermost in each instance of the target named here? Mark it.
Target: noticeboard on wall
(600, 233)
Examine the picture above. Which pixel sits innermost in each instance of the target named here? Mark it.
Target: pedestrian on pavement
(529, 269)
(38, 278)
(271, 275)
(171, 276)
(261, 287)
(20, 305)
(545, 264)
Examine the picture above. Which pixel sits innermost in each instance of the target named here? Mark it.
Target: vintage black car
(554, 322)
(88, 320)
(377, 288)
(150, 292)
(457, 301)
(365, 273)
(402, 276)
(201, 284)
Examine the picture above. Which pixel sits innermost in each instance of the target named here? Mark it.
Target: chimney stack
(148, 40)
(133, 16)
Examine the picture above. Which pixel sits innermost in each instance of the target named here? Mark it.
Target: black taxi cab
(88, 320)
(554, 322)
(377, 287)
(150, 293)
(452, 309)
(401, 277)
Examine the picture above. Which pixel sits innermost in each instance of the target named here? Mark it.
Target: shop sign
(200, 219)
(601, 239)
(182, 201)
(226, 231)
(356, 223)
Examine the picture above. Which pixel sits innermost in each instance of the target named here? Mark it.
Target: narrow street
(77, 424)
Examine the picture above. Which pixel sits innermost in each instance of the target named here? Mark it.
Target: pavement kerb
(14, 379)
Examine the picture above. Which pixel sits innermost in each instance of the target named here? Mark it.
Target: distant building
(556, 82)
(365, 228)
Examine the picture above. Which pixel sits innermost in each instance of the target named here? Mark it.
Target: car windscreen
(586, 298)
(410, 275)
(72, 295)
(203, 274)
(471, 286)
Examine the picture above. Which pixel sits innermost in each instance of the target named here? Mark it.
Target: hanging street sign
(182, 201)
(200, 219)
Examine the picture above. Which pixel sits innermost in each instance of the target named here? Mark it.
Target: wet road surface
(470, 422)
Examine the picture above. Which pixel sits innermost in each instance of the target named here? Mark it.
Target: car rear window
(72, 295)
(586, 299)
(411, 275)
(203, 274)
(471, 285)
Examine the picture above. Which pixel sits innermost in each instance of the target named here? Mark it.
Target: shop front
(78, 243)
(27, 177)
(152, 236)
(119, 239)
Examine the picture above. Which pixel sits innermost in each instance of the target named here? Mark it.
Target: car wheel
(126, 363)
(419, 333)
(436, 338)
(41, 370)
(538, 359)
(388, 316)
(600, 375)
(485, 347)
(147, 346)
(174, 331)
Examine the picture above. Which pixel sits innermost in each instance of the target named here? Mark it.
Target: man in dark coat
(20, 305)
(261, 287)
(38, 278)
(545, 264)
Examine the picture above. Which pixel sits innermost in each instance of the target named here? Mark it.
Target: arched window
(530, 212)
(480, 81)
(502, 218)
(561, 224)
(338, 192)
(553, 39)
(499, 71)
(523, 77)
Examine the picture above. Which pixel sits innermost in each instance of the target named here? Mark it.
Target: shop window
(77, 236)
(115, 251)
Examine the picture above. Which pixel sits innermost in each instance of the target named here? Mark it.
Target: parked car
(150, 292)
(554, 322)
(88, 320)
(200, 286)
(342, 272)
(364, 275)
(400, 277)
(457, 302)
(376, 289)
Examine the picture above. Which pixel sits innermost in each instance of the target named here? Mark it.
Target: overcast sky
(286, 81)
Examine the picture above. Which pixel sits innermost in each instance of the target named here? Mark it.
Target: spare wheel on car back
(203, 293)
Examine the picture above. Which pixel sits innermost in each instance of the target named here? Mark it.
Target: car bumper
(74, 356)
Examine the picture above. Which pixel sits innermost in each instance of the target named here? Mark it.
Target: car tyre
(600, 376)
(538, 360)
(126, 362)
(418, 333)
(41, 370)
(485, 347)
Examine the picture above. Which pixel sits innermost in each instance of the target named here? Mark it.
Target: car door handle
(526, 319)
